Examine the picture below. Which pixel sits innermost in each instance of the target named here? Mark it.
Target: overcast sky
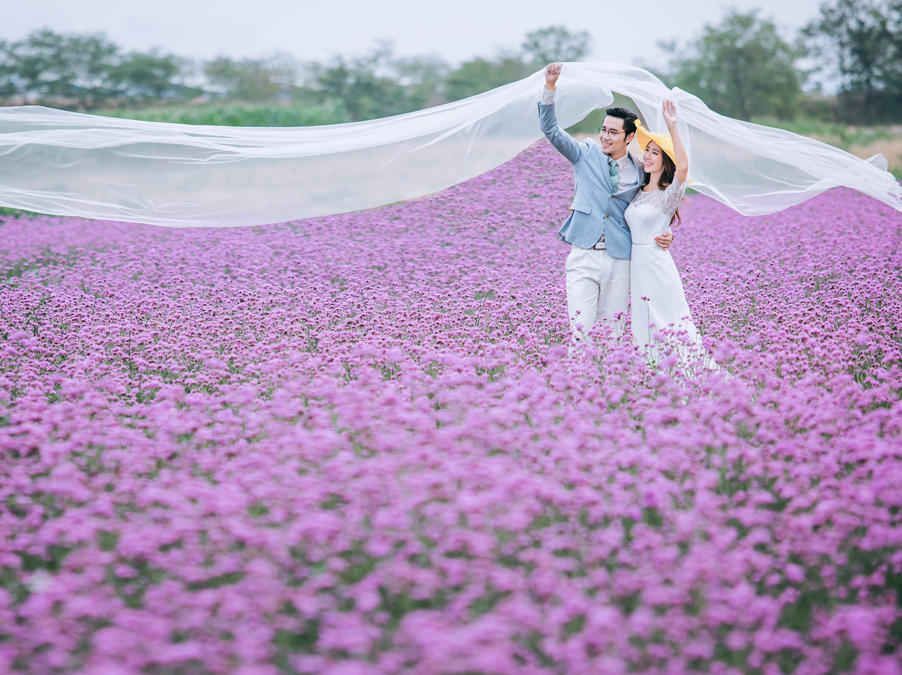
(621, 31)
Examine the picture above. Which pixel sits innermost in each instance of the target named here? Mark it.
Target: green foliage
(86, 70)
(149, 76)
(9, 84)
(423, 78)
(252, 79)
(740, 67)
(478, 75)
(860, 43)
(61, 66)
(840, 135)
(555, 43)
(303, 640)
(363, 84)
(216, 581)
(238, 114)
(11, 213)
(861, 140)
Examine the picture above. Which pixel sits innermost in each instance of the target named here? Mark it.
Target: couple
(619, 223)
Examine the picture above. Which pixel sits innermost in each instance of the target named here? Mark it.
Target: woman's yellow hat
(664, 141)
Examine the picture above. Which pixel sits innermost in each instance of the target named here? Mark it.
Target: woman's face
(654, 158)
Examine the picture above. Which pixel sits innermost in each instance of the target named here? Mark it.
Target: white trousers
(598, 287)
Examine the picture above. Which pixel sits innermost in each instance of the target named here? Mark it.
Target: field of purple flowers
(356, 444)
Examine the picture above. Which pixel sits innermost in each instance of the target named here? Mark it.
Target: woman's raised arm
(682, 159)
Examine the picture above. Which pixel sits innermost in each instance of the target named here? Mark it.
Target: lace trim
(667, 200)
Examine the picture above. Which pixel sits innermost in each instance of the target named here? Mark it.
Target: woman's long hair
(665, 179)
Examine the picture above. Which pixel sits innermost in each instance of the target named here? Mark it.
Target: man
(607, 178)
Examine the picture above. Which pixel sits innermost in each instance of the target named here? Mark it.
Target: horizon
(272, 26)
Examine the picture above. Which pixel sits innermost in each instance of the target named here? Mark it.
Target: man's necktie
(615, 173)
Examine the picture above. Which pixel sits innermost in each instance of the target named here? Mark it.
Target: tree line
(743, 65)
(88, 71)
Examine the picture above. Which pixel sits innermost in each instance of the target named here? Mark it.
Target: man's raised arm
(560, 139)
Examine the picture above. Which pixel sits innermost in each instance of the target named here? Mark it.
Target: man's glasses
(609, 132)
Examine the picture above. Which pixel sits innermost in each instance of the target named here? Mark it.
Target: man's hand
(665, 240)
(552, 72)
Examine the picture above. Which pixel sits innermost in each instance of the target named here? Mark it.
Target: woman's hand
(681, 159)
(552, 72)
(668, 107)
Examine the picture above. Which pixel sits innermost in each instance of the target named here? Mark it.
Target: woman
(656, 292)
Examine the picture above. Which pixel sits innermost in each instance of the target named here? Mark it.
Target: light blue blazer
(596, 208)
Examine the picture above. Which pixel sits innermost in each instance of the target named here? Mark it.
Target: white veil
(65, 163)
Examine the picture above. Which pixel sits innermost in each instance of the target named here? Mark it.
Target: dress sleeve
(673, 194)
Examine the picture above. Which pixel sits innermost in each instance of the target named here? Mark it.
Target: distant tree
(252, 79)
(52, 65)
(894, 77)
(478, 75)
(10, 82)
(859, 42)
(422, 78)
(149, 75)
(366, 85)
(555, 43)
(740, 67)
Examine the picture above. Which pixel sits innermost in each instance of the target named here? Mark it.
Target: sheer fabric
(65, 163)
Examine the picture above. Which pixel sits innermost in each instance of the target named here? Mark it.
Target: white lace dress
(656, 292)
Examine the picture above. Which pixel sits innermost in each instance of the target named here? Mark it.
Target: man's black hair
(628, 116)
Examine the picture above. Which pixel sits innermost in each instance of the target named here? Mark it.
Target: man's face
(613, 140)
